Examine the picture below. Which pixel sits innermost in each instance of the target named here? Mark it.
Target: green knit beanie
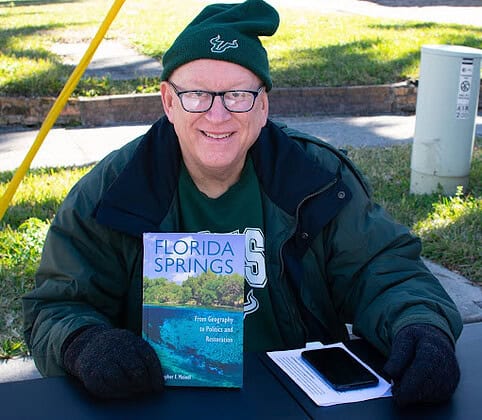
(227, 32)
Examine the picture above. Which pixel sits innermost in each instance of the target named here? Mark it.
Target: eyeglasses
(202, 100)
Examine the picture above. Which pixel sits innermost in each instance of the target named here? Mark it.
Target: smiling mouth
(216, 136)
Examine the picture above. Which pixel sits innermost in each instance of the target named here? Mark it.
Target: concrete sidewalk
(80, 146)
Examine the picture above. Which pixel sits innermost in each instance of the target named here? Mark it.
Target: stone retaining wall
(146, 108)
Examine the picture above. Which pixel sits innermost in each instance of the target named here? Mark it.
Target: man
(326, 255)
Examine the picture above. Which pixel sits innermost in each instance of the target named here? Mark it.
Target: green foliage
(22, 234)
(207, 290)
(40, 193)
(91, 86)
(22, 247)
(20, 251)
(452, 231)
(12, 348)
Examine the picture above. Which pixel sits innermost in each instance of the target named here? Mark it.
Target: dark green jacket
(332, 255)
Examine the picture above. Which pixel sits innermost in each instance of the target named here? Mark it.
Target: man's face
(215, 142)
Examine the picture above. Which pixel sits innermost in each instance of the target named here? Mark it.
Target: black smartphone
(339, 368)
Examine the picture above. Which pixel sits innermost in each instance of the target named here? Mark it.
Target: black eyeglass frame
(213, 94)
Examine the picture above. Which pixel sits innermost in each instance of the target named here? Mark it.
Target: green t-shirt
(238, 210)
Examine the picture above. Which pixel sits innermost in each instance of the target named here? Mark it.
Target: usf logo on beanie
(228, 32)
(220, 46)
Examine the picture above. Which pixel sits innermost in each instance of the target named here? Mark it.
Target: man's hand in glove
(112, 362)
(422, 365)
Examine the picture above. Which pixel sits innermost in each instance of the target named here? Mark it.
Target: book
(192, 314)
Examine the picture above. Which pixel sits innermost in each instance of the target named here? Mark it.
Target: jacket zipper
(282, 264)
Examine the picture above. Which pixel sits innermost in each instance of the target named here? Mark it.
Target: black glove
(422, 365)
(112, 362)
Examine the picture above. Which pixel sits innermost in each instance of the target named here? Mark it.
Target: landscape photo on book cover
(193, 294)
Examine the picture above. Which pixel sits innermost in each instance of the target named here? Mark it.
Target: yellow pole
(58, 106)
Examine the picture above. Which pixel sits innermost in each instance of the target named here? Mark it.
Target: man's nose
(218, 111)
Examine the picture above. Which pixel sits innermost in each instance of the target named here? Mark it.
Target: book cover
(192, 315)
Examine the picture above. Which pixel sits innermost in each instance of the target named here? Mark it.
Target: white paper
(322, 394)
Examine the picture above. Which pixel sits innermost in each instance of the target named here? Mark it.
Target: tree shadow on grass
(22, 3)
(359, 62)
(45, 206)
(44, 209)
(457, 244)
(349, 64)
(403, 27)
(9, 41)
(48, 82)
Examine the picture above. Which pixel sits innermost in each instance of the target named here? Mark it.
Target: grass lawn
(309, 49)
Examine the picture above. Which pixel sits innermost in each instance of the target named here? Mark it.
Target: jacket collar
(141, 196)
(288, 175)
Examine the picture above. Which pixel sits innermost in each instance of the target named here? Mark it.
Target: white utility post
(447, 102)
